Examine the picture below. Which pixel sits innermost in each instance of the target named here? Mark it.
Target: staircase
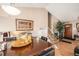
(53, 39)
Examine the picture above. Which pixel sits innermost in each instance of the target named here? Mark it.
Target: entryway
(68, 31)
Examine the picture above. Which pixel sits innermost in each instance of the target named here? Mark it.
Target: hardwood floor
(66, 49)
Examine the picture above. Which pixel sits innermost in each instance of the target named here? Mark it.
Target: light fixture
(10, 10)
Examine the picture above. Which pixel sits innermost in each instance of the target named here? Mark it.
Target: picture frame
(77, 26)
(24, 25)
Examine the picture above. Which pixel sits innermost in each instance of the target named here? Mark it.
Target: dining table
(36, 47)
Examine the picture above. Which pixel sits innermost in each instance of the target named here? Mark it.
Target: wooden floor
(65, 49)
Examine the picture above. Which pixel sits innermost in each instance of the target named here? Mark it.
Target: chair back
(44, 38)
(48, 52)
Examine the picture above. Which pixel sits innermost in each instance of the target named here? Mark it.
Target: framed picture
(24, 25)
(77, 26)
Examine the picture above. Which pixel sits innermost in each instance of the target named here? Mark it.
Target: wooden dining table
(36, 47)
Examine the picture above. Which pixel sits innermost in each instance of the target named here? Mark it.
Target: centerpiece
(22, 41)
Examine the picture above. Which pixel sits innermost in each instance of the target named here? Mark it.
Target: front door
(68, 31)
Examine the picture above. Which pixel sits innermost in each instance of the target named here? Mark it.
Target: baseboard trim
(69, 38)
(66, 41)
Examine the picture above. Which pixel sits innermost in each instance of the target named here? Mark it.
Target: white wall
(38, 15)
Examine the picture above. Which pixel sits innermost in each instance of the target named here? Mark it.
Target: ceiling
(62, 11)
(39, 5)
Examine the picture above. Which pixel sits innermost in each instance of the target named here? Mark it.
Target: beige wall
(53, 22)
(38, 15)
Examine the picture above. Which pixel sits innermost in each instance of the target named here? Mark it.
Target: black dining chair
(44, 38)
(9, 38)
(76, 51)
(48, 52)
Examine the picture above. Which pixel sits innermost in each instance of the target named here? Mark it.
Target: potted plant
(60, 29)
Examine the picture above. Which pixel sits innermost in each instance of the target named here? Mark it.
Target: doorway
(68, 31)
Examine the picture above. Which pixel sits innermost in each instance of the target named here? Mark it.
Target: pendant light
(10, 10)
